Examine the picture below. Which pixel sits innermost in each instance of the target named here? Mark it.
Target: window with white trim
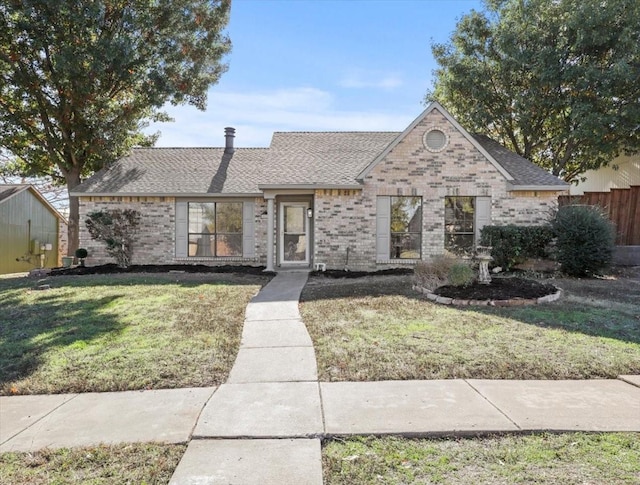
(215, 229)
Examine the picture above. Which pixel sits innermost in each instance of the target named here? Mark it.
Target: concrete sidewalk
(309, 410)
(265, 424)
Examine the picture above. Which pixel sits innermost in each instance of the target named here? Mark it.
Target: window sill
(398, 261)
(204, 259)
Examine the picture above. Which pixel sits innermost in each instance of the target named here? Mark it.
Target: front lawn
(120, 332)
(572, 458)
(149, 464)
(378, 328)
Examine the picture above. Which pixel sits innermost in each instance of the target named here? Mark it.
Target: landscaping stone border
(443, 300)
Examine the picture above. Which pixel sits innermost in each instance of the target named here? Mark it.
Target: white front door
(293, 233)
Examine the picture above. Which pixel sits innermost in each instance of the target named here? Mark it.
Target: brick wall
(346, 222)
(154, 242)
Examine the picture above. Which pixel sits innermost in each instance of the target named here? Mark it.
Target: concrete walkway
(265, 424)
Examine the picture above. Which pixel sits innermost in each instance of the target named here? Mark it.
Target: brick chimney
(229, 135)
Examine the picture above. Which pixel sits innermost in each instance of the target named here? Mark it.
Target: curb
(443, 300)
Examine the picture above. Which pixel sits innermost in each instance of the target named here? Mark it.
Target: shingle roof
(322, 157)
(294, 158)
(8, 190)
(180, 171)
(522, 170)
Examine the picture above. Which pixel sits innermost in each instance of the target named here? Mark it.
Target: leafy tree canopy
(79, 80)
(555, 81)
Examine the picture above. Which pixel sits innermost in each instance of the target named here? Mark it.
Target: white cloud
(256, 115)
(360, 79)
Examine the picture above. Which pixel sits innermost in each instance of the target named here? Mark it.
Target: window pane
(229, 217)
(202, 217)
(229, 245)
(295, 220)
(201, 245)
(406, 214)
(459, 223)
(295, 247)
(405, 246)
(459, 243)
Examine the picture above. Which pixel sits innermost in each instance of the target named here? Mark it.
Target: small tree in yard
(585, 239)
(116, 229)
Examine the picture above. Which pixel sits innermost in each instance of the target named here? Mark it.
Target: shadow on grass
(571, 317)
(51, 320)
(589, 320)
(320, 288)
(27, 334)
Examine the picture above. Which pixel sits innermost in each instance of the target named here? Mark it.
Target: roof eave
(164, 194)
(309, 186)
(538, 188)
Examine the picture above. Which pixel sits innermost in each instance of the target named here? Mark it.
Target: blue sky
(319, 65)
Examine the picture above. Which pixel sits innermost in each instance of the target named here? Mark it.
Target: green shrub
(81, 253)
(585, 239)
(513, 244)
(460, 274)
(116, 229)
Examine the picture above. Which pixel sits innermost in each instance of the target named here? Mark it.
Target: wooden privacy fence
(623, 207)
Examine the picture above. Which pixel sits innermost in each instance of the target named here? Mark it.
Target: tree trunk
(73, 231)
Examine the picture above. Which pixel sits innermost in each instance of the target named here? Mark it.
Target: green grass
(120, 332)
(132, 463)
(573, 458)
(378, 328)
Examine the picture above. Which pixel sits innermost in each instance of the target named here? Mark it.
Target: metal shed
(29, 230)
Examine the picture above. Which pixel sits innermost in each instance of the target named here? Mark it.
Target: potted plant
(81, 254)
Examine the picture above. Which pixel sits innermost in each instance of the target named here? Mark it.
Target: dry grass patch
(573, 458)
(120, 332)
(377, 328)
(131, 463)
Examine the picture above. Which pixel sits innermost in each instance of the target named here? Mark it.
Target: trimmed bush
(513, 244)
(585, 239)
(461, 274)
(115, 228)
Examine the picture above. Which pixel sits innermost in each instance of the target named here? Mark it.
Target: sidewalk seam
(493, 405)
(40, 419)
(195, 423)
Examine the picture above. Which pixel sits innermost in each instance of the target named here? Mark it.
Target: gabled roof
(8, 191)
(314, 159)
(294, 159)
(322, 158)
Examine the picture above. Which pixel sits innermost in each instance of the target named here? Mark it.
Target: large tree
(80, 79)
(557, 81)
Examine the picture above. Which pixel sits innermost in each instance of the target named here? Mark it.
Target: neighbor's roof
(9, 190)
(313, 159)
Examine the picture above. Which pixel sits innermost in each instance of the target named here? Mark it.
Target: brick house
(356, 200)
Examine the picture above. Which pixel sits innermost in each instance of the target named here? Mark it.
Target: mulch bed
(158, 268)
(498, 289)
(336, 273)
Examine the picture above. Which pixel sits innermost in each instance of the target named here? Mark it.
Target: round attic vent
(435, 140)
